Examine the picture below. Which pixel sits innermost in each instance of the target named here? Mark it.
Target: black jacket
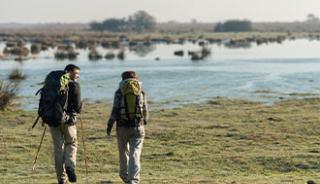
(74, 98)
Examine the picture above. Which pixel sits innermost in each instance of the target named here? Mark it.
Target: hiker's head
(73, 70)
(129, 75)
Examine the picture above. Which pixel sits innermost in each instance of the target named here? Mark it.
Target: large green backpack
(54, 98)
(131, 103)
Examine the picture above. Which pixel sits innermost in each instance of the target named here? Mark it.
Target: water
(264, 73)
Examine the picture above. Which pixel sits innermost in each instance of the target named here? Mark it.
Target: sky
(83, 11)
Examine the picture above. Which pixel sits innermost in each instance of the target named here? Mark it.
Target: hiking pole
(84, 148)
(35, 159)
(35, 122)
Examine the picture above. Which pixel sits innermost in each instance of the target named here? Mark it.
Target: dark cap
(129, 75)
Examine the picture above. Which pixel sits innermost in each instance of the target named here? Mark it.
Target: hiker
(60, 102)
(130, 112)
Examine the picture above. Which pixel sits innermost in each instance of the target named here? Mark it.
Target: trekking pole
(84, 148)
(35, 122)
(36, 158)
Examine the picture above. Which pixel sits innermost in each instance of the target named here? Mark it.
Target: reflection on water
(142, 50)
(266, 73)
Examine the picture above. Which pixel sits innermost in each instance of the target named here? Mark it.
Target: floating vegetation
(178, 53)
(110, 55)
(121, 55)
(94, 55)
(16, 75)
(200, 55)
(66, 52)
(36, 48)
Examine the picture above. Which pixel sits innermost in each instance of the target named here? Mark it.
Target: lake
(265, 73)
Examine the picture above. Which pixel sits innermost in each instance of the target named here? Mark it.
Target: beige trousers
(130, 141)
(65, 144)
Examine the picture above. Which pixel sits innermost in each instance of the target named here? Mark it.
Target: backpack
(54, 98)
(130, 111)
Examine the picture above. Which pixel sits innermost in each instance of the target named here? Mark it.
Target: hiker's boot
(62, 182)
(71, 174)
(311, 182)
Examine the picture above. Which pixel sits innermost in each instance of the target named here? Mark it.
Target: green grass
(223, 141)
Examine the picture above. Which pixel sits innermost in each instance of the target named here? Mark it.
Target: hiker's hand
(109, 128)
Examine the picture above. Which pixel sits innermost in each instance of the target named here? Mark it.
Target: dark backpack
(53, 98)
(130, 110)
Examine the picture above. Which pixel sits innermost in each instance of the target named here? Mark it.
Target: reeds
(16, 75)
(8, 90)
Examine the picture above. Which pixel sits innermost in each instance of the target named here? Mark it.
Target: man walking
(130, 112)
(63, 127)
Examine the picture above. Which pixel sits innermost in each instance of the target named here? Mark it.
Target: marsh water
(265, 73)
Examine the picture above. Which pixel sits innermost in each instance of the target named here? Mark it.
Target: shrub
(8, 90)
(16, 74)
(110, 55)
(121, 55)
(94, 55)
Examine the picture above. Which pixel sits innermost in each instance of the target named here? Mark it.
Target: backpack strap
(138, 107)
(66, 91)
(118, 105)
(38, 91)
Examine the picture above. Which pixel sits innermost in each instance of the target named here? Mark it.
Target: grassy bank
(223, 141)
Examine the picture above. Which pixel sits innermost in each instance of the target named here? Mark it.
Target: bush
(36, 48)
(16, 75)
(65, 52)
(110, 55)
(62, 55)
(94, 55)
(121, 55)
(200, 55)
(7, 92)
(16, 51)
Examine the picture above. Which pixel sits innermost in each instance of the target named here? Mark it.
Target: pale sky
(66, 11)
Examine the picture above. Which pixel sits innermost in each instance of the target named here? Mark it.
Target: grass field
(222, 141)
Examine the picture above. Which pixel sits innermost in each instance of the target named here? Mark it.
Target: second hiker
(130, 112)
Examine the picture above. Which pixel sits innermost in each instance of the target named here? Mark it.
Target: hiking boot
(311, 182)
(62, 182)
(71, 174)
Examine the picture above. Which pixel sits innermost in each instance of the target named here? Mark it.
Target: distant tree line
(148, 23)
(233, 26)
(140, 21)
(312, 18)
